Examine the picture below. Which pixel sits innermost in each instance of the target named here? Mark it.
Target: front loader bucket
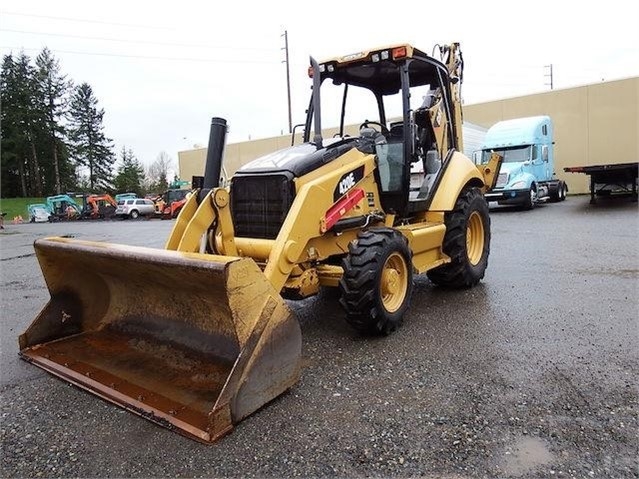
(193, 342)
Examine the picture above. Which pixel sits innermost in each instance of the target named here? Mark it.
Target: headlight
(519, 184)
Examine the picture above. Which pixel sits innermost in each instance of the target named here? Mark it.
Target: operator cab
(407, 123)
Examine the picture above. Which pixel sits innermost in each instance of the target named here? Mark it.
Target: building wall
(594, 124)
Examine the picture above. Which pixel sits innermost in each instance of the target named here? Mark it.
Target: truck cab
(527, 174)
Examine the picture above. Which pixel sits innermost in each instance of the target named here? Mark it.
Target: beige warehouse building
(594, 124)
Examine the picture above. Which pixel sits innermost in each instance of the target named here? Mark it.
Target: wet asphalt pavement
(531, 374)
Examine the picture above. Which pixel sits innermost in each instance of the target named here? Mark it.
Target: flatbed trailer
(608, 180)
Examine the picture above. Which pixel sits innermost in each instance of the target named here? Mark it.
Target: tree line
(53, 139)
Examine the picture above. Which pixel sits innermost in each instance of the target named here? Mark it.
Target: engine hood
(298, 160)
(511, 168)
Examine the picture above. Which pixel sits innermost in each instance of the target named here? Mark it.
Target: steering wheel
(385, 131)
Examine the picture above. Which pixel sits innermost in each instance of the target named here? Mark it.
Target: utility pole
(288, 82)
(549, 75)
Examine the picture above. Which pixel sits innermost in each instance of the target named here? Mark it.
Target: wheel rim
(532, 196)
(475, 238)
(394, 282)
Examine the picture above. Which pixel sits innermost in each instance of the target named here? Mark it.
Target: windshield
(516, 154)
(361, 106)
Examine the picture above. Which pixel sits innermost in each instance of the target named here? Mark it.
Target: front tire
(134, 214)
(377, 283)
(467, 242)
(529, 201)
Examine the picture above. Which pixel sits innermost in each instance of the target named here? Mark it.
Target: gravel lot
(531, 374)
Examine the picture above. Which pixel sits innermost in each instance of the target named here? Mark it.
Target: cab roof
(378, 69)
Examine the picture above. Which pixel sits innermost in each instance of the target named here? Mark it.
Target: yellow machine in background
(213, 340)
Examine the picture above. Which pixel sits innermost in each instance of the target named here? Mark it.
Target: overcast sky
(161, 70)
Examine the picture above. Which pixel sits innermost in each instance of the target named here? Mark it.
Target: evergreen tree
(23, 126)
(52, 89)
(90, 148)
(13, 182)
(130, 176)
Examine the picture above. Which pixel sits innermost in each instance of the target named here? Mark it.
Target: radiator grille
(259, 205)
(502, 180)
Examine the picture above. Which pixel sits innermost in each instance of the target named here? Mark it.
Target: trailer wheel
(467, 242)
(377, 283)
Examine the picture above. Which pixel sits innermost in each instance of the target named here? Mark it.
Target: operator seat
(395, 156)
(432, 165)
(426, 148)
(397, 130)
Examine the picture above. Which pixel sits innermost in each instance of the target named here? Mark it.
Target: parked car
(132, 208)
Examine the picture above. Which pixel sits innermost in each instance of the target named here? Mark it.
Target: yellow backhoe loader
(197, 336)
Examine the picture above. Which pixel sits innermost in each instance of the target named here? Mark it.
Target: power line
(145, 42)
(144, 57)
(84, 20)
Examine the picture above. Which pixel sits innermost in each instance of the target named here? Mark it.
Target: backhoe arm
(490, 171)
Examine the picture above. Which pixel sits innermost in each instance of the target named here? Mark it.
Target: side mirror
(544, 152)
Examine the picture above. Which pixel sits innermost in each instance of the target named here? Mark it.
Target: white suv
(134, 207)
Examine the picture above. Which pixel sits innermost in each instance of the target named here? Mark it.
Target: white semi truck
(527, 174)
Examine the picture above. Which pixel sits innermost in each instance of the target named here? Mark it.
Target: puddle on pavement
(527, 454)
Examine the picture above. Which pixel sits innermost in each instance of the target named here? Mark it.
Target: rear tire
(563, 191)
(558, 194)
(378, 281)
(467, 242)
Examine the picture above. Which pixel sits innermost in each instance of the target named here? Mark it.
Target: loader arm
(302, 237)
(196, 219)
